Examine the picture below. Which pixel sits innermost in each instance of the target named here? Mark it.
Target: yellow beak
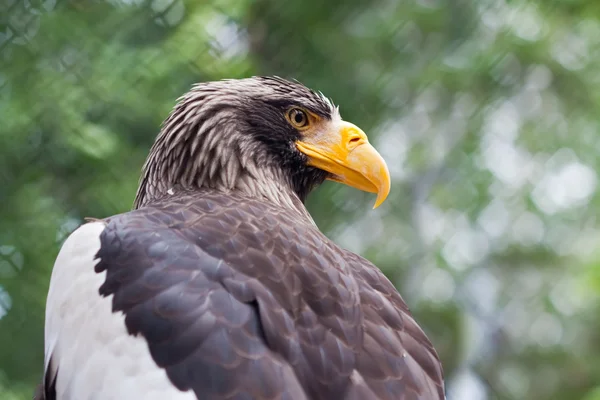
(345, 152)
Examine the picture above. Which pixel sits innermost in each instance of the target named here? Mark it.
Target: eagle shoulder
(206, 295)
(132, 314)
(88, 353)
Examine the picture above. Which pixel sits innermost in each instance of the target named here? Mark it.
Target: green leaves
(485, 111)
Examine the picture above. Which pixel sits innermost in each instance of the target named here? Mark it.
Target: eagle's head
(264, 136)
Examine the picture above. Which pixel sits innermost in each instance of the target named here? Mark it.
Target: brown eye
(298, 118)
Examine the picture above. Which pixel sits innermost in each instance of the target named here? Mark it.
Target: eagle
(218, 284)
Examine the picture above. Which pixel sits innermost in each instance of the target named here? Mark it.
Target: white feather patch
(91, 351)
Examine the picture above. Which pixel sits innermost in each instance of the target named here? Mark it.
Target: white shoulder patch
(91, 351)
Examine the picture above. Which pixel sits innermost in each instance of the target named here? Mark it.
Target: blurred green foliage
(487, 112)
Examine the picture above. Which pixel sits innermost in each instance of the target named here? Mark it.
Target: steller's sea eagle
(219, 285)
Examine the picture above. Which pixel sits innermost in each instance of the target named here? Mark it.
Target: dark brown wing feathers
(238, 299)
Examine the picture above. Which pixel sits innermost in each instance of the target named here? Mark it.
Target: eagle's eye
(298, 118)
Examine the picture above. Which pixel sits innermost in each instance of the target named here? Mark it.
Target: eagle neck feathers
(203, 146)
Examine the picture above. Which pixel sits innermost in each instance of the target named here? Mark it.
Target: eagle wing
(397, 356)
(215, 297)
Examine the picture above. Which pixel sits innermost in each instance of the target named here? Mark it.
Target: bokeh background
(487, 112)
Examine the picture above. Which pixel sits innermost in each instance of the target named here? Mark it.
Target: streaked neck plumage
(201, 146)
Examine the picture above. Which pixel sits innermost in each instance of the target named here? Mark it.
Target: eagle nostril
(353, 142)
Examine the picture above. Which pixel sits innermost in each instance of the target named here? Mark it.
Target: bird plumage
(220, 135)
(216, 288)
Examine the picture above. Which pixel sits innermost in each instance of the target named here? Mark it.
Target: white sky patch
(509, 163)
(528, 229)
(572, 303)
(526, 22)
(467, 385)
(5, 302)
(438, 286)
(394, 144)
(466, 246)
(570, 50)
(486, 288)
(495, 218)
(170, 12)
(11, 261)
(516, 319)
(494, 16)
(515, 379)
(227, 36)
(431, 221)
(565, 187)
(546, 330)
(503, 122)
(585, 245)
(128, 2)
(539, 78)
